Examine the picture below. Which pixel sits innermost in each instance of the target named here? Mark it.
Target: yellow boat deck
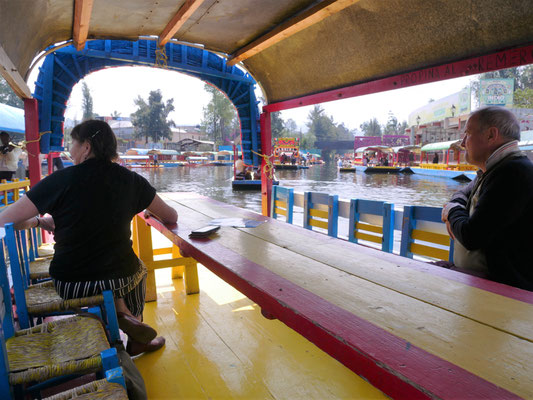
(219, 346)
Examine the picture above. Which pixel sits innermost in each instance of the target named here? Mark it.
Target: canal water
(399, 189)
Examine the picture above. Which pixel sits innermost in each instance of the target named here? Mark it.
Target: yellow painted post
(190, 278)
(177, 272)
(16, 191)
(145, 253)
(134, 237)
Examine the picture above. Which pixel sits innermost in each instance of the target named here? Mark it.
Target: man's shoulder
(518, 169)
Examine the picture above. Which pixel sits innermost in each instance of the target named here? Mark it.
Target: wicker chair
(100, 389)
(37, 265)
(72, 345)
(41, 299)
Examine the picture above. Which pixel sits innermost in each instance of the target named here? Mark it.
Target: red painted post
(50, 161)
(31, 119)
(266, 145)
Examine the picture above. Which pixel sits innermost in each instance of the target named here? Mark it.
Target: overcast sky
(114, 89)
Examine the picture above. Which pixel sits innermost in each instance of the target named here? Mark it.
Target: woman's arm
(22, 213)
(162, 211)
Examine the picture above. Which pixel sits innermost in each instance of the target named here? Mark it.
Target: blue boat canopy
(11, 119)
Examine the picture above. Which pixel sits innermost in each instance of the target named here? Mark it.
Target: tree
(87, 102)
(322, 128)
(320, 125)
(402, 127)
(150, 119)
(307, 141)
(391, 128)
(8, 96)
(371, 127)
(523, 98)
(277, 125)
(292, 128)
(343, 133)
(219, 116)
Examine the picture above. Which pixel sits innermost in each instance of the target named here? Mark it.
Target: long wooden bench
(411, 329)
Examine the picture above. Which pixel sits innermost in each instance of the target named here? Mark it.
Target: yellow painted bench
(185, 267)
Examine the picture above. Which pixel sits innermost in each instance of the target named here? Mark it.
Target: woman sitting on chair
(91, 206)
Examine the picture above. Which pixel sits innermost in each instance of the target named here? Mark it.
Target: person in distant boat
(491, 218)
(411, 158)
(385, 162)
(436, 158)
(9, 157)
(240, 170)
(91, 206)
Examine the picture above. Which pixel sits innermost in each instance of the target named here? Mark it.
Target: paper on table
(236, 222)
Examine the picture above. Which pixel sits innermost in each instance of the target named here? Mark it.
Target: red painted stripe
(470, 280)
(388, 362)
(477, 65)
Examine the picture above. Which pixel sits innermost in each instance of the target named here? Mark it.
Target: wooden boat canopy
(292, 48)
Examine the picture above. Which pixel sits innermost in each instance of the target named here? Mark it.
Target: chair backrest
(282, 202)
(7, 328)
(19, 266)
(321, 210)
(424, 234)
(379, 231)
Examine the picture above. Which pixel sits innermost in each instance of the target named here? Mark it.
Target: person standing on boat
(436, 158)
(9, 157)
(91, 206)
(491, 218)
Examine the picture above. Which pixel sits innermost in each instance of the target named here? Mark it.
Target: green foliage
(371, 127)
(343, 133)
(277, 125)
(87, 102)
(523, 98)
(307, 141)
(320, 125)
(8, 96)
(292, 129)
(150, 119)
(220, 119)
(391, 128)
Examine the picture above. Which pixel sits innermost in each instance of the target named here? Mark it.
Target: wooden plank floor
(219, 346)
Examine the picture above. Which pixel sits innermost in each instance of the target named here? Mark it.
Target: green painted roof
(440, 145)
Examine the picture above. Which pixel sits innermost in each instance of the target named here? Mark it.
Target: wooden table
(411, 329)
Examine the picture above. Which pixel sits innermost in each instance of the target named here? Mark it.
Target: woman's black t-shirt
(92, 204)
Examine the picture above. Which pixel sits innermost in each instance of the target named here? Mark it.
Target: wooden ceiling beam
(294, 25)
(12, 76)
(183, 14)
(82, 18)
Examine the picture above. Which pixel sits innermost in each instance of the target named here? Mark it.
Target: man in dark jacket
(492, 218)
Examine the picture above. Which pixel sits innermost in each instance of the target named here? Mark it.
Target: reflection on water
(399, 189)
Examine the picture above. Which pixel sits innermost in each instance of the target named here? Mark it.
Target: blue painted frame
(332, 201)
(64, 67)
(373, 207)
(283, 194)
(412, 214)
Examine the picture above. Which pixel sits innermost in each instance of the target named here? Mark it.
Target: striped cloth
(131, 288)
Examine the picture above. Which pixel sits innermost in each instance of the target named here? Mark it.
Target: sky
(115, 89)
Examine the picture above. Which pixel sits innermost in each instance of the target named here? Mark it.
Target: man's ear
(493, 134)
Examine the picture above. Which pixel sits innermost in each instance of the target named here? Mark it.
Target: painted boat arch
(64, 67)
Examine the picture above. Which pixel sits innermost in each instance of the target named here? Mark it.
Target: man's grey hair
(500, 118)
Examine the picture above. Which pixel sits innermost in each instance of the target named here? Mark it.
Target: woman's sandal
(137, 330)
(135, 348)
